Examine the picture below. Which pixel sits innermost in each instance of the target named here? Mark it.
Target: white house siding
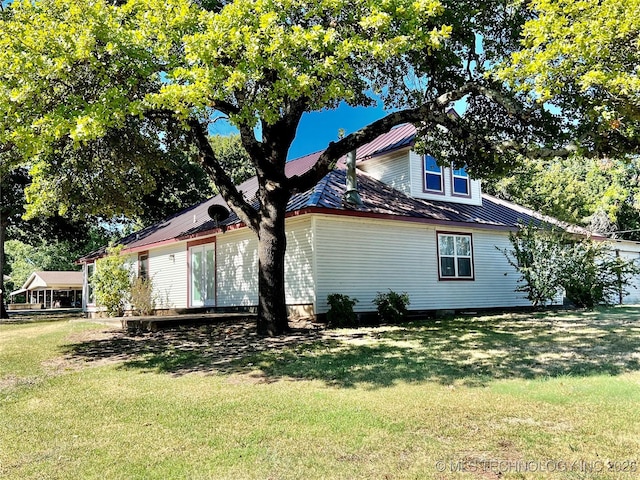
(392, 170)
(237, 266)
(630, 251)
(168, 271)
(299, 274)
(417, 184)
(359, 257)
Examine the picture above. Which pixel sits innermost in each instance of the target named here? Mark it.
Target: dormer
(391, 160)
(434, 182)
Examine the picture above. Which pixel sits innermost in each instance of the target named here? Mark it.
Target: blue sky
(317, 129)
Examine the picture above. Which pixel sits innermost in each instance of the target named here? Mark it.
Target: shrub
(536, 254)
(112, 282)
(590, 273)
(593, 274)
(392, 306)
(142, 298)
(341, 312)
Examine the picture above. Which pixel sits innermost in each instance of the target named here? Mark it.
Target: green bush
(392, 306)
(594, 275)
(550, 261)
(112, 282)
(341, 312)
(537, 254)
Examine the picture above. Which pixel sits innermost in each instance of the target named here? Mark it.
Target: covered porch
(49, 290)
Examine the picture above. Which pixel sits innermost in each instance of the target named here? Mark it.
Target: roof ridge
(319, 189)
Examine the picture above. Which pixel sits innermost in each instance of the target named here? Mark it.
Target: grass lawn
(470, 397)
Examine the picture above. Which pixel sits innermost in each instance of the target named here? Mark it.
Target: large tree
(75, 75)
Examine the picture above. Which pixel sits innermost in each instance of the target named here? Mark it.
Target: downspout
(352, 196)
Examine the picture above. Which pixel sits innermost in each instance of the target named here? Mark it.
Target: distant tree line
(602, 195)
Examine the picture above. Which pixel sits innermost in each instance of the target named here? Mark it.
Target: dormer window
(432, 175)
(460, 182)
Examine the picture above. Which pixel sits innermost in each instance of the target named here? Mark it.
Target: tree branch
(434, 112)
(227, 108)
(538, 152)
(228, 190)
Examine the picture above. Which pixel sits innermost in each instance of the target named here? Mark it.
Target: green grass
(490, 393)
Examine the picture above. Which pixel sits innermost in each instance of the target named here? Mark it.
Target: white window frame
(207, 274)
(143, 265)
(456, 256)
(91, 293)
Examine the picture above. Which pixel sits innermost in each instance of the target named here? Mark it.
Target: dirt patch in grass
(13, 381)
(465, 350)
(180, 350)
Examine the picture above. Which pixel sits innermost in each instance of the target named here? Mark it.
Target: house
(421, 228)
(50, 290)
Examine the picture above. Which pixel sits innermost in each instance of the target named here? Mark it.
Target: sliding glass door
(203, 275)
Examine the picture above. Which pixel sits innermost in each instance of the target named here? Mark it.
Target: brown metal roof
(398, 137)
(61, 277)
(53, 279)
(193, 218)
(378, 199)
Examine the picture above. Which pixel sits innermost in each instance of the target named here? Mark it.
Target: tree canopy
(600, 194)
(583, 57)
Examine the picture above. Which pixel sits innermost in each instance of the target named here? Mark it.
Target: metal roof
(56, 280)
(398, 137)
(378, 199)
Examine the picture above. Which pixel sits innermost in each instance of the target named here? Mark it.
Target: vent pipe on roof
(352, 196)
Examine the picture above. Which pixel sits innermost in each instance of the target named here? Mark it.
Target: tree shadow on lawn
(471, 350)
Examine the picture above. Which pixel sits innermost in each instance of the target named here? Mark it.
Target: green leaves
(263, 55)
(112, 282)
(551, 262)
(601, 195)
(57, 65)
(78, 70)
(584, 57)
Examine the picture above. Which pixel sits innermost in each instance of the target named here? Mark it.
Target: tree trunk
(3, 226)
(272, 245)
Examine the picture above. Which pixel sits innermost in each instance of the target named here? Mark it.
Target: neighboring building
(50, 290)
(422, 229)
